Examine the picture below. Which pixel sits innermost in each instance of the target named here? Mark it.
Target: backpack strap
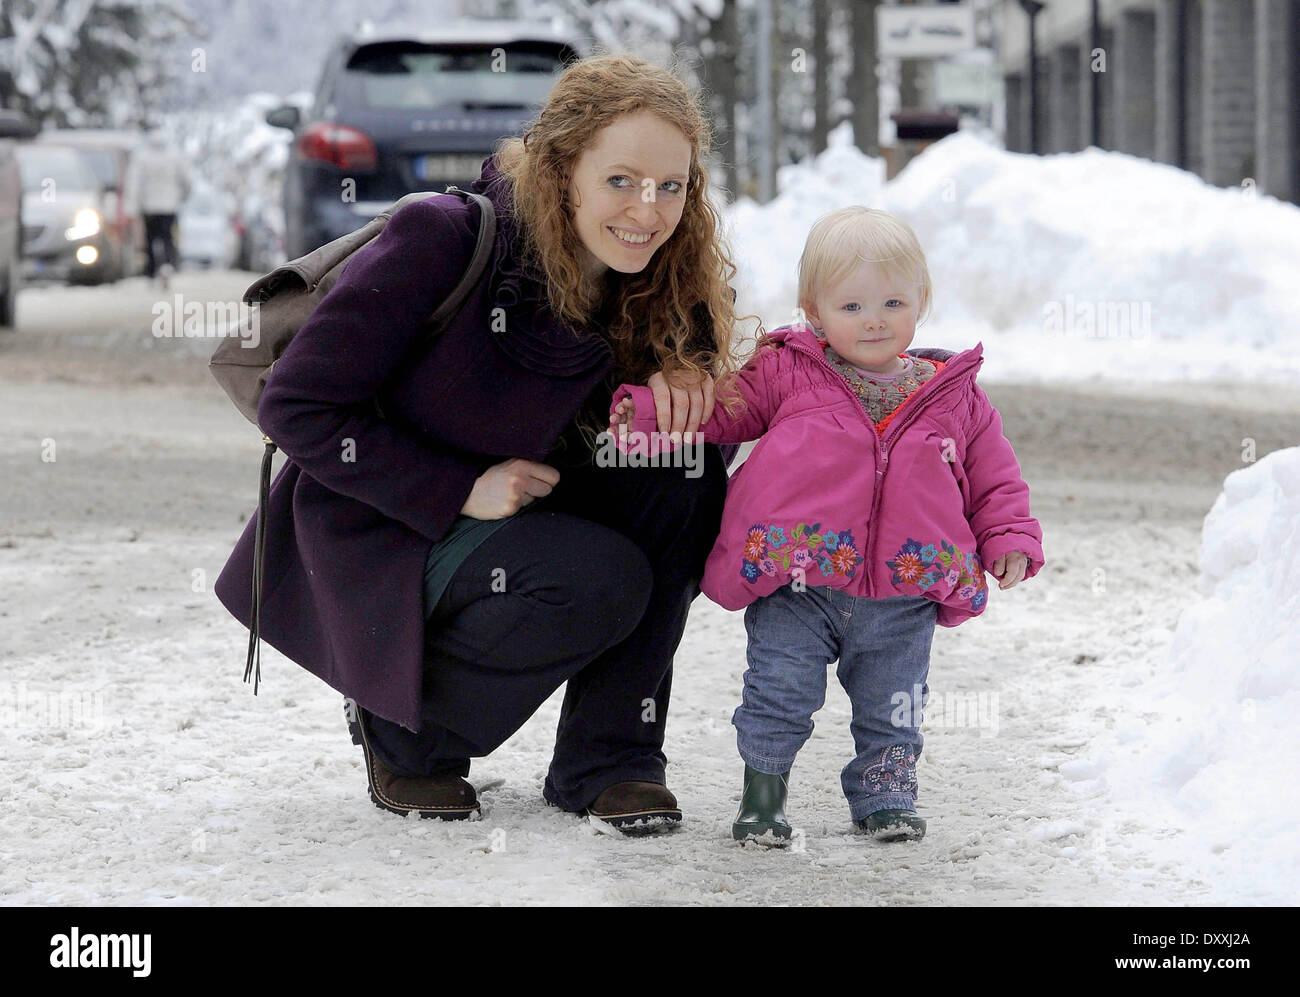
(487, 235)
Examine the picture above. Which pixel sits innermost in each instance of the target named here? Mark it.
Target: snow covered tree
(92, 62)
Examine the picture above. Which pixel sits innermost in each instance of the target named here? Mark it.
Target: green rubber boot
(894, 825)
(762, 809)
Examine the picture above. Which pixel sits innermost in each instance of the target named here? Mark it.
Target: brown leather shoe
(445, 797)
(636, 808)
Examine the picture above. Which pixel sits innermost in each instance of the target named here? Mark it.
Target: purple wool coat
(347, 539)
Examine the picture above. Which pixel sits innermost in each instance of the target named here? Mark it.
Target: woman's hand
(682, 405)
(1009, 569)
(505, 488)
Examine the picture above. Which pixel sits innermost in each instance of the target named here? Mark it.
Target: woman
(452, 564)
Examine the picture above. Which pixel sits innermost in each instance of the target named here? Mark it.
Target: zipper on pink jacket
(891, 433)
(880, 473)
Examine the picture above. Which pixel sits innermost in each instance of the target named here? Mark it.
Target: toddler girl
(881, 488)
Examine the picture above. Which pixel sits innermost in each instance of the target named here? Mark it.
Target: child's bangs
(877, 244)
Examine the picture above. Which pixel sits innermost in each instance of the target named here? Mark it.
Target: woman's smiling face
(628, 191)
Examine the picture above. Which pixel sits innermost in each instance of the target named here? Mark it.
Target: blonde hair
(844, 239)
(652, 323)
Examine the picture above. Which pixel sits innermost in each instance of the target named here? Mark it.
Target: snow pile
(1223, 746)
(1079, 261)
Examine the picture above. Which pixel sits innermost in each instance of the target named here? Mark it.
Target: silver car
(109, 154)
(63, 224)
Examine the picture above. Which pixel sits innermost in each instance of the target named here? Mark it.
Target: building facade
(1211, 86)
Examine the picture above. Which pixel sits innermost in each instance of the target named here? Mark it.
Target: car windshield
(42, 164)
(414, 75)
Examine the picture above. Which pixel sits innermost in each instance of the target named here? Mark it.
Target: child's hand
(1009, 569)
(624, 412)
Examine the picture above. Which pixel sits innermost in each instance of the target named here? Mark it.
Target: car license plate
(447, 166)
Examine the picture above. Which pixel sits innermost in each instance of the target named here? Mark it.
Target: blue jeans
(883, 647)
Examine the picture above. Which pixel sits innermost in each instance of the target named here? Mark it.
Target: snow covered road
(139, 769)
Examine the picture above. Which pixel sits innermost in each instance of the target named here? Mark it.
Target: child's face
(868, 318)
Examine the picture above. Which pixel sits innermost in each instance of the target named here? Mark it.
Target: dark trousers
(160, 227)
(589, 585)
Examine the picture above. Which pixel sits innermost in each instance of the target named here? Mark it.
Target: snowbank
(1214, 734)
(1065, 266)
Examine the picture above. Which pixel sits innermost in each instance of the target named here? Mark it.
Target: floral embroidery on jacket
(894, 773)
(770, 547)
(927, 565)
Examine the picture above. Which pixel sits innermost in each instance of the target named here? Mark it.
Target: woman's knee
(610, 588)
(592, 583)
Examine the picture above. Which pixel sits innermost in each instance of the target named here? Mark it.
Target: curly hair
(676, 314)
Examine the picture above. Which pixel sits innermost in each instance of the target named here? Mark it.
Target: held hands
(683, 404)
(1009, 569)
(680, 406)
(503, 489)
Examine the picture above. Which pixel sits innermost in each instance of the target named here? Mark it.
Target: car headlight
(84, 224)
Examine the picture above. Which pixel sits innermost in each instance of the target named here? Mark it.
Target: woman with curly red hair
(449, 565)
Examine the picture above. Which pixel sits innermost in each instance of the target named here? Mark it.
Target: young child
(881, 488)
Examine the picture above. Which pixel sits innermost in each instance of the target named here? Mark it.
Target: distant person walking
(158, 183)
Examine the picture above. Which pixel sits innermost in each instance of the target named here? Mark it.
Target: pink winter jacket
(918, 511)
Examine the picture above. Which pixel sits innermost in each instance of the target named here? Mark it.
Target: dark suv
(397, 112)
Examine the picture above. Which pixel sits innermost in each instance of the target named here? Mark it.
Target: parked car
(207, 224)
(109, 154)
(13, 125)
(397, 112)
(63, 228)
